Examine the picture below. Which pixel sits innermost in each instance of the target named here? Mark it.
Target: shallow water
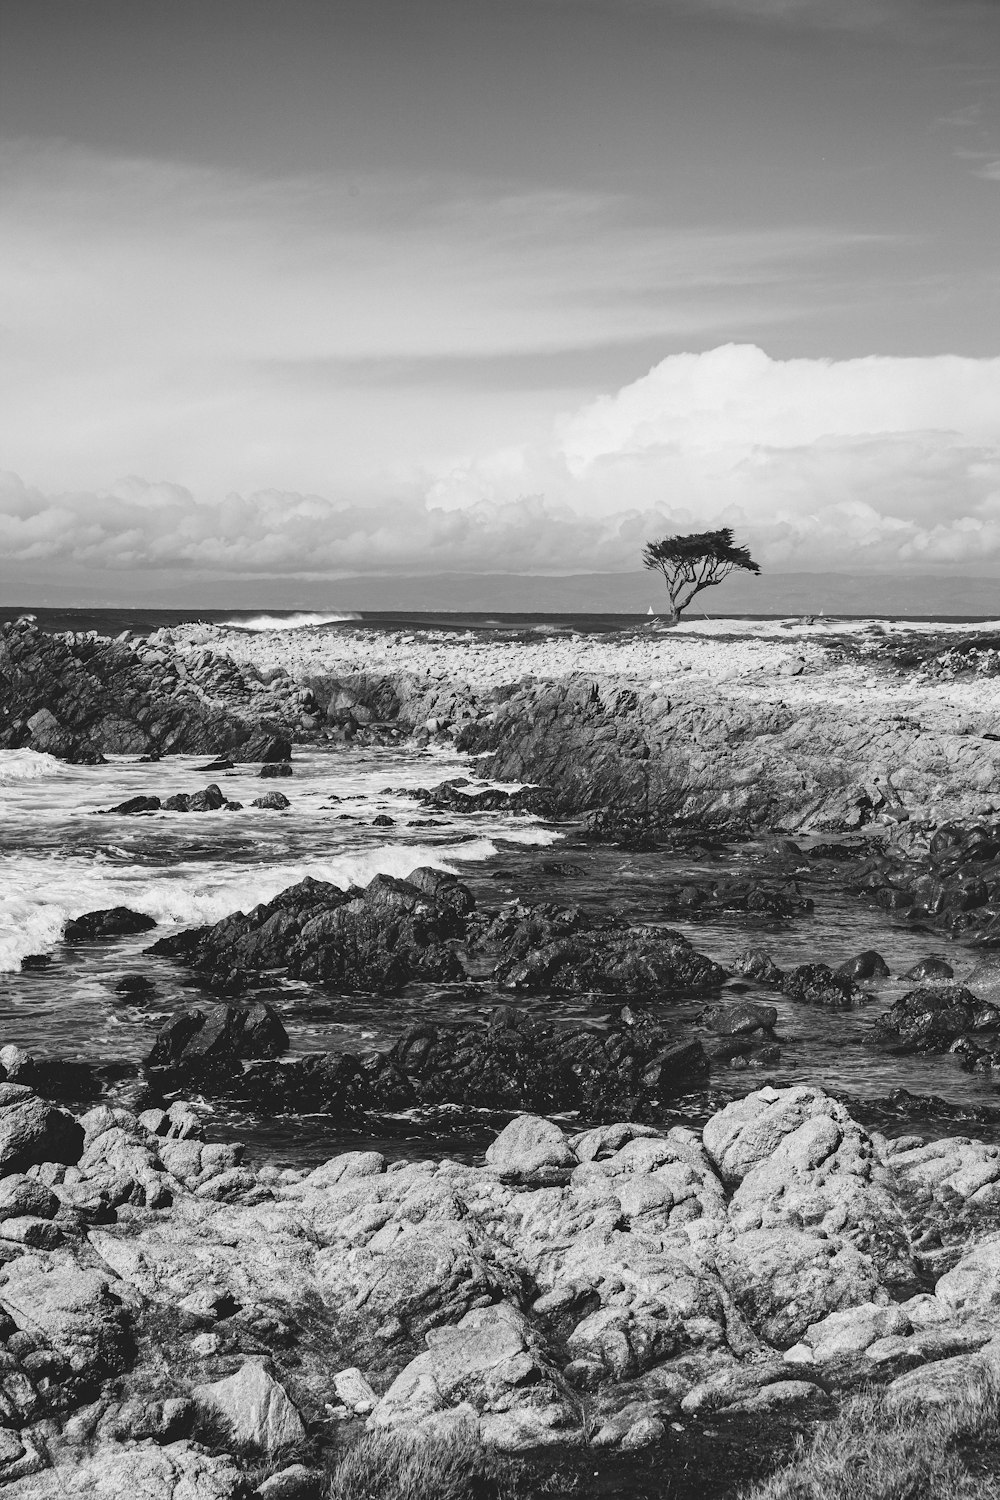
(60, 856)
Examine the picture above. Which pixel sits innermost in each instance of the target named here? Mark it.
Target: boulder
(32, 1132)
(272, 802)
(531, 1149)
(930, 1019)
(113, 921)
(146, 1471)
(864, 966)
(783, 1280)
(255, 1406)
(739, 1019)
(199, 1041)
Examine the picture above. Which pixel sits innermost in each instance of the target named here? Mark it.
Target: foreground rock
(193, 1319)
(79, 697)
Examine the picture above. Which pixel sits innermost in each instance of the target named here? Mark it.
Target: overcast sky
(309, 287)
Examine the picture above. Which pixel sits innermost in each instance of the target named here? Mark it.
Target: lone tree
(692, 563)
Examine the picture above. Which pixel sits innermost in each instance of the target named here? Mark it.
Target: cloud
(138, 527)
(864, 462)
(817, 463)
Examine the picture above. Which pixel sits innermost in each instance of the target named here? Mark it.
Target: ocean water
(61, 856)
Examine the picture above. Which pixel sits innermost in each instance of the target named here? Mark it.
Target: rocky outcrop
(211, 799)
(392, 932)
(635, 1066)
(396, 931)
(81, 696)
(607, 1283)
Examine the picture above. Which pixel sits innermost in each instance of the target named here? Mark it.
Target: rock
(32, 1132)
(817, 984)
(974, 1283)
(930, 968)
(931, 1018)
(783, 1281)
(354, 1391)
(275, 768)
(531, 1149)
(377, 939)
(132, 806)
(199, 1041)
(865, 966)
(272, 802)
(26, 1195)
(739, 1019)
(855, 1329)
(255, 1406)
(757, 964)
(943, 1383)
(294, 1483)
(111, 699)
(180, 1471)
(75, 1311)
(487, 1358)
(114, 921)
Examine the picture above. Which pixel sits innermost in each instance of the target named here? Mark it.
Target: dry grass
(387, 1466)
(868, 1452)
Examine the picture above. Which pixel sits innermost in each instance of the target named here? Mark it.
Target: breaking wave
(39, 895)
(287, 622)
(26, 765)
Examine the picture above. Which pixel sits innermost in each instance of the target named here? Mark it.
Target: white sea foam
(287, 622)
(39, 894)
(26, 765)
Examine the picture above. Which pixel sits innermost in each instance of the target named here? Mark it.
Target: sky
(312, 288)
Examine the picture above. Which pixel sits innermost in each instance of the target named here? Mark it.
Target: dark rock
(199, 1042)
(212, 799)
(275, 768)
(134, 805)
(868, 965)
(562, 949)
(738, 893)
(379, 938)
(32, 1132)
(516, 1062)
(757, 963)
(383, 821)
(932, 1018)
(135, 986)
(930, 968)
(266, 746)
(113, 921)
(817, 984)
(81, 698)
(222, 764)
(272, 802)
(53, 1077)
(739, 1019)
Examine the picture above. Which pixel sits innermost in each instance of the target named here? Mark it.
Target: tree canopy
(695, 562)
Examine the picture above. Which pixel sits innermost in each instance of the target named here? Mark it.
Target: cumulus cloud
(138, 526)
(817, 463)
(821, 462)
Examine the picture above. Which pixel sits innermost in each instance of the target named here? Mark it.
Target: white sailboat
(650, 610)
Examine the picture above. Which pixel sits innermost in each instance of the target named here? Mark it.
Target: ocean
(62, 854)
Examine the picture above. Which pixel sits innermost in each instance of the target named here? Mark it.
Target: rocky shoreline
(597, 1288)
(178, 1320)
